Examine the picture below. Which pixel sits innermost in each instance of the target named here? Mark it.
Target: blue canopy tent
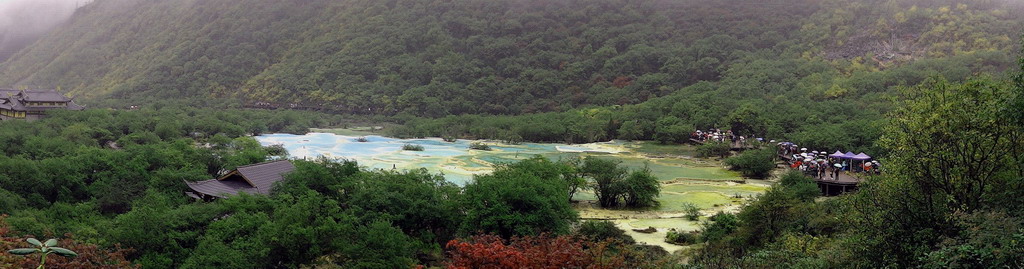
(863, 158)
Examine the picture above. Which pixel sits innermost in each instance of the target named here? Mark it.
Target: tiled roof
(6, 93)
(220, 188)
(18, 98)
(262, 175)
(44, 96)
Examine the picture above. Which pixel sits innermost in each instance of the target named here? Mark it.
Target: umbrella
(838, 165)
(815, 152)
(803, 149)
(862, 158)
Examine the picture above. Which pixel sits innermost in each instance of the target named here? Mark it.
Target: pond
(458, 163)
(685, 180)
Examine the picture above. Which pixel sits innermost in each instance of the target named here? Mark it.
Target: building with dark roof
(252, 179)
(32, 104)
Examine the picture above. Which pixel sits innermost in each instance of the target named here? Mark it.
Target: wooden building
(252, 179)
(32, 104)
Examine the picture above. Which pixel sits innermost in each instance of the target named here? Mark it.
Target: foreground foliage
(949, 197)
(116, 179)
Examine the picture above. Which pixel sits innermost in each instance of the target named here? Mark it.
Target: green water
(701, 182)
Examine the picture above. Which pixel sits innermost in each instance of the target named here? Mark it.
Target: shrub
(718, 226)
(601, 230)
(681, 238)
(713, 149)
(753, 163)
(800, 185)
(412, 147)
(479, 146)
(692, 211)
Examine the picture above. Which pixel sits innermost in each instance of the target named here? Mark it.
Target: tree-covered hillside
(435, 58)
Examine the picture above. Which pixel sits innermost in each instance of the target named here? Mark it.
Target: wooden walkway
(846, 182)
(831, 186)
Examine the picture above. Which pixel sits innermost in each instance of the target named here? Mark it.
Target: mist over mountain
(25, 21)
(438, 58)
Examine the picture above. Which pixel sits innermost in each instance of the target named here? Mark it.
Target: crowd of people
(821, 165)
(716, 135)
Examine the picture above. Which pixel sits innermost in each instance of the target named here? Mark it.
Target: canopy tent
(838, 154)
(863, 158)
(848, 155)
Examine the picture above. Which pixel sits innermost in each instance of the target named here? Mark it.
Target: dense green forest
(820, 73)
(111, 182)
(438, 58)
(116, 180)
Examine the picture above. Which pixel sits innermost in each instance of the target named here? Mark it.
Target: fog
(24, 21)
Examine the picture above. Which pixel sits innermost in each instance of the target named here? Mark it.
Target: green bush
(412, 147)
(692, 211)
(682, 238)
(718, 226)
(713, 149)
(753, 163)
(479, 146)
(516, 201)
(802, 186)
(601, 230)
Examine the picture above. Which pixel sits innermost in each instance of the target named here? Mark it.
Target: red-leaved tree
(490, 251)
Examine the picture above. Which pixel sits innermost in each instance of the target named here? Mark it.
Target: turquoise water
(458, 163)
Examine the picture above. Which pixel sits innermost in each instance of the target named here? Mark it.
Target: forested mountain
(442, 57)
(933, 89)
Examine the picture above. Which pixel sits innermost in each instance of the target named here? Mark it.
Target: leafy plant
(692, 211)
(681, 238)
(713, 149)
(753, 163)
(718, 226)
(412, 147)
(602, 230)
(479, 146)
(45, 248)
